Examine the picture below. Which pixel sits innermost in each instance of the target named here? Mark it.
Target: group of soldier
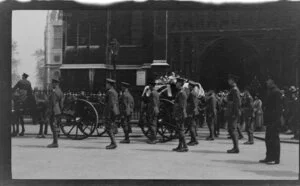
(185, 111)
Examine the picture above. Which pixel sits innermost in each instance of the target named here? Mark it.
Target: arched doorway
(228, 55)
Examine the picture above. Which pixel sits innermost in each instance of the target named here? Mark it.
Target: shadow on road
(209, 151)
(33, 146)
(84, 147)
(275, 173)
(243, 162)
(155, 150)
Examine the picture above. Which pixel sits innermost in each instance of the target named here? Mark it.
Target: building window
(56, 58)
(57, 43)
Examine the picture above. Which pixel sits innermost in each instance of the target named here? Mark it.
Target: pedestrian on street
(248, 117)
(152, 112)
(42, 102)
(111, 111)
(258, 113)
(211, 113)
(180, 115)
(272, 112)
(234, 112)
(294, 112)
(192, 113)
(126, 110)
(56, 101)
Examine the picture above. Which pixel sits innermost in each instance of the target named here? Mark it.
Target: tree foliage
(14, 63)
(40, 67)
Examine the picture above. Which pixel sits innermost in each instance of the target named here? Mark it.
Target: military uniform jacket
(111, 108)
(153, 105)
(192, 104)
(211, 107)
(180, 105)
(234, 102)
(248, 106)
(273, 106)
(56, 100)
(126, 103)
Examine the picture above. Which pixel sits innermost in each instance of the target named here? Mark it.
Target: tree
(40, 67)
(14, 63)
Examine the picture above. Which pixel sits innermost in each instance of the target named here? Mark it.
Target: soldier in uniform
(180, 115)
(272, 121)
(111, 111)
(248, 116)
(211, 113)
(56, 100)
(152, 112)
(192, 113)
(234, 112)
(294, 112)
(126, 110)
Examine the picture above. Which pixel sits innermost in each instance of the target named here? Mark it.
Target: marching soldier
(272, 121)
(111, 111)
(126, 110)
(248, 116)
(211, 111)
(180, 115)
(152, 112)
(234, 112)
(192, 113)
(55, 105)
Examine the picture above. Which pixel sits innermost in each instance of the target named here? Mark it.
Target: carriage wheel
(100, 128)
(80, 120)
(145, 126)
(166, 127)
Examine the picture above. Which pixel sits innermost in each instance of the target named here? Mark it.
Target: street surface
(88, 159)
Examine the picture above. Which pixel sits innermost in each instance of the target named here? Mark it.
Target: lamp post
(114, 50)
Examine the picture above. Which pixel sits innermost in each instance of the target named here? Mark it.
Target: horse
(23, 106)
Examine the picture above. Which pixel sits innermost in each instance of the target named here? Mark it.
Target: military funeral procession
(210, 92)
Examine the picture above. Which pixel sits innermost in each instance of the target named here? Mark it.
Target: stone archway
(228, 55)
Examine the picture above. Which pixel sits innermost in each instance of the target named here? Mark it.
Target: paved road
(88, 159)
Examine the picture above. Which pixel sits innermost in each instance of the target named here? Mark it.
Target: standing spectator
(258, 113)
(211, 112)
(294, 113)
(248, 116)
(272, 112)
(234, 112)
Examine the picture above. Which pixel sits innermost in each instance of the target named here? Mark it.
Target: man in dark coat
(192, 113)
(126, 110)
(152, 112)
(294, 112)
(211, 114)
(234, 112)
(56, 100)
(24, 88)
(272, 121)
(179, 113)
(111, 111)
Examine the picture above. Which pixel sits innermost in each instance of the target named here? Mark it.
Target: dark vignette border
(6, 9)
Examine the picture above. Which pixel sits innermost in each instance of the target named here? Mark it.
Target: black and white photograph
(198, 92)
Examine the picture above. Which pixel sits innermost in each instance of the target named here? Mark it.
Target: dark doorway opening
(228, 55)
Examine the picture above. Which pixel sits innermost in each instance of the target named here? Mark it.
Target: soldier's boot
(250, 140)
(129, 129)
(194, 140)
(54, 144)
(184, 146)
(126, 132)
(179, 146)
(113, 144)
(235, 148)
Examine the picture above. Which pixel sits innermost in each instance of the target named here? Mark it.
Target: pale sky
(28, 31)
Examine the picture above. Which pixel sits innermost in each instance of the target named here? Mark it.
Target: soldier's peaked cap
(25, 75)
(124, 84)
(111, 81)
